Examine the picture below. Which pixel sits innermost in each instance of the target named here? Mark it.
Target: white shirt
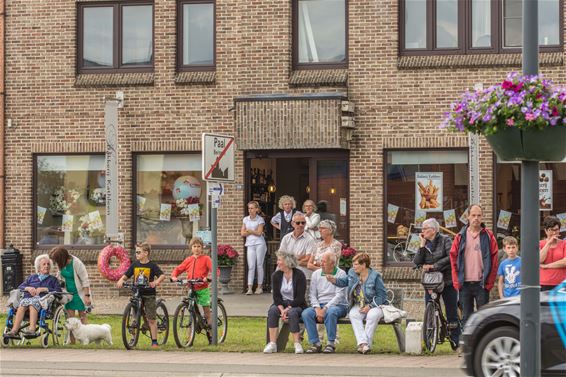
(253, 224)
(300, 246)
(312, 224)
(287, 289)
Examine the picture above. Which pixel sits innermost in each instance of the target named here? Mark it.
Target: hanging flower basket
(523, 118)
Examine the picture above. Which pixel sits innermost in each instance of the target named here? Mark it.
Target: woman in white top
(312, 219)
(252, 229)
(327, 230)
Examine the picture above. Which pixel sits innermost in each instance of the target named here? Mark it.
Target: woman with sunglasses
(252, 229)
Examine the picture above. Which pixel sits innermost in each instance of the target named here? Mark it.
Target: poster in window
(95, 220)
(464, 217)
(67, 225)
(40, 214)
(545, 190)
(428, 191)
(165, 212)
(450, 218)
(194, 212)
(420, 217)
(141, 203)
(504, 219)
(392, 211)
(414, 243)
(562, 217)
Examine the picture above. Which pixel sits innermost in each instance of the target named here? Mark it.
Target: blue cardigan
(374, 289)
(49, 282)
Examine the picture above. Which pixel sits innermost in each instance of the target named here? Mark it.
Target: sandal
(329, 349)
(314, 349)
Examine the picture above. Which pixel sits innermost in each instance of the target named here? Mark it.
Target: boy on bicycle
(197, 266)
(147, 274)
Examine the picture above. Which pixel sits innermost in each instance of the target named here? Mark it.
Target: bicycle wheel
(222, 322)
(130, 326)
(430, 327)
(60, 332)
(184, 323)
(399, 253)
(162, 320)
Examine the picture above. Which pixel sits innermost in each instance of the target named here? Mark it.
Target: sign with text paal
(217, 157)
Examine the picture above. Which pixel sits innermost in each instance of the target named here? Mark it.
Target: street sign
(215, 188)
(217, 157)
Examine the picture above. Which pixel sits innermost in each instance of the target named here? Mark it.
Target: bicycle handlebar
(189, 281)
(137, 286)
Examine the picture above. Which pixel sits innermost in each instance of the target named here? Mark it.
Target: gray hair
(308, 201)
(288, 258)
(328, 224)
(432, 223)
(38, 260)
(330, 255)
(298, 213)
(286, 198)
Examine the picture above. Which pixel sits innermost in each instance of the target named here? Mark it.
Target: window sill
(400, 271)
(475, 60)
(195, 77)
(319, 77)
(114, 79)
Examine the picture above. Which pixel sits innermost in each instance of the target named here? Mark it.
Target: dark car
(490, 339)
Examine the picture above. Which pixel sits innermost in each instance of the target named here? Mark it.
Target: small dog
(89, 333)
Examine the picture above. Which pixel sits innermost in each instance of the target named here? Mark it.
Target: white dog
(89, 333)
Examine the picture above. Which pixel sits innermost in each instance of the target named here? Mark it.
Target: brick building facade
(276, 107)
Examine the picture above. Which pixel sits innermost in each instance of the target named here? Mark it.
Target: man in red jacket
(474, 262)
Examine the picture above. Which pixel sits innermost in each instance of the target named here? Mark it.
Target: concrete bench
(396, 294)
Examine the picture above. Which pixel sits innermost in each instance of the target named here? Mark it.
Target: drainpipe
(2, 120)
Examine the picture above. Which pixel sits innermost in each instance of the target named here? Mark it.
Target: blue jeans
(450, 298)
(470, 292)
(333, 313)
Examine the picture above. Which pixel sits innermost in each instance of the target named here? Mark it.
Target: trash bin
(12, 269)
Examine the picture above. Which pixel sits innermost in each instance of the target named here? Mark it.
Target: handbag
(391, 313)
(433, 280)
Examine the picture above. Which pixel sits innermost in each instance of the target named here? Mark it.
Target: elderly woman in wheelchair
(40, 301)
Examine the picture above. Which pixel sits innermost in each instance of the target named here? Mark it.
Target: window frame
(465, 33)
(295, 42)
(117, 37)
(194, 67)
(34, 203)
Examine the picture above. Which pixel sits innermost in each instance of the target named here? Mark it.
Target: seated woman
(366, 292)
(34, 287)
(289, 286)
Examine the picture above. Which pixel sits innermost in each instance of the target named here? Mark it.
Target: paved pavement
(117, 363)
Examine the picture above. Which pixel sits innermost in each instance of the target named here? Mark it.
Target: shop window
(70, 200)
(196, 34)
(115, 36)
(429, 27)
(320, 33)
(419, 185)
(170, 198)
(552, 196)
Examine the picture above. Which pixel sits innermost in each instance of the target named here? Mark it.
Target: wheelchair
(50, 323)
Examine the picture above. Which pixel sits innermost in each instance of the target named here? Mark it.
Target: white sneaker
(258, 291)
(299, 348)
(270, 348)
(250, 292)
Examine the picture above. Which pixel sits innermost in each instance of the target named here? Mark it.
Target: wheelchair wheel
(61, 334)
(45, 340)
(130, 326)
(162, 321)
(184, 323)
(6, 341)
(222, 322)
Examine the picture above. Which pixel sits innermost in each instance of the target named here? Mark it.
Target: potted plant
(346, 257)
(227, 256)
(523, 118)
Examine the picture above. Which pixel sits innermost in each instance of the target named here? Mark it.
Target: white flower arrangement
(98, 196)
(183, 207)
(61, 201)
(86, 226)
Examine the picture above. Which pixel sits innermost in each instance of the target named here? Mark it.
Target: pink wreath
(113, 274)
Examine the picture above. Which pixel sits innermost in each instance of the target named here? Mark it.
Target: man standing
(299, 243)
(474, 262)
(552, 255)
(328, 303)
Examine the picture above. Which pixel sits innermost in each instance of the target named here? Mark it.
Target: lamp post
(530, 290)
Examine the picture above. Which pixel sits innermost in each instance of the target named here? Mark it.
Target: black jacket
(438, 256)
(299, 288)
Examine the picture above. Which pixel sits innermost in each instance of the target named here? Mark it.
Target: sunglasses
(300, 222)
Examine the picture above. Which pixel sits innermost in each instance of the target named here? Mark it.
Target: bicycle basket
(433, 280)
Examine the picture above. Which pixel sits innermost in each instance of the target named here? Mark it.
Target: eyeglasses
(426, 228)
(300, 222)
(554, 230)
(138, 252)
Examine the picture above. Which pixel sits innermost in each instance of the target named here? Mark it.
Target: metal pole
(214, 256)
(530, 292)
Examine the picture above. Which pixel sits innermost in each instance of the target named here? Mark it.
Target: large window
(552, 196)
(320, 33)
(196, 35)
(169, 197)
(419, 185)
(473, 26)
(115, 36)
(70, 200)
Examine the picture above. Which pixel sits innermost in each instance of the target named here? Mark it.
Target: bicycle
(188, 320)
(435, 327)
(133, 315)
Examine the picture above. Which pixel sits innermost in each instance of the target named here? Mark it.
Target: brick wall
(399, 102)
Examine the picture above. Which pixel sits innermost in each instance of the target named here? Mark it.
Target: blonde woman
(312, 218)
(252, 229)
(282, 219)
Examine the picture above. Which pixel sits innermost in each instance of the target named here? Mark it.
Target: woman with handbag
(434, 256)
